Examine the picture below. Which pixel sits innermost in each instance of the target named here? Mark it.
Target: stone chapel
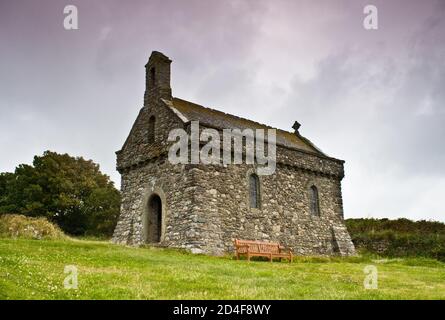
(203, 208)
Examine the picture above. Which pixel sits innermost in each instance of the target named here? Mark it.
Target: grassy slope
(33, 269)
(399, 238)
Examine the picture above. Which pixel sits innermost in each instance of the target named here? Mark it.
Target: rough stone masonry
(203, 208)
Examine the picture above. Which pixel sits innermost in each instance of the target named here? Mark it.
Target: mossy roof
(218, 119)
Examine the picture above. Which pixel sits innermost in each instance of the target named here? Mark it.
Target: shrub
(19, 226)
(399, 238)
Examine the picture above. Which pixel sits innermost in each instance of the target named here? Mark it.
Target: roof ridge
(219, 118)
(235, 116)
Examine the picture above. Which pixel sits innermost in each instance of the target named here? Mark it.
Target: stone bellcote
(157, 78)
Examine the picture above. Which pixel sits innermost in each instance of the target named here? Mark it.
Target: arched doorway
(154, 220)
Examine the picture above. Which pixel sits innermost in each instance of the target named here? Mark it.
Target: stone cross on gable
(296, 126)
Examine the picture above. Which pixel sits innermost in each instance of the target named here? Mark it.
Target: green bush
(399, 225)
(399, 238)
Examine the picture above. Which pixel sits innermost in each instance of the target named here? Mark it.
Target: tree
(6, 179)
(71, 192)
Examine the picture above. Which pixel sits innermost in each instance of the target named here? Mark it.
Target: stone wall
(175, 188)
(206, 206)
(222, 202)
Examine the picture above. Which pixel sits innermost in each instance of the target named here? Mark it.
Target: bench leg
(270, 257)
(291, 257)
(237, 256)
(248, 257)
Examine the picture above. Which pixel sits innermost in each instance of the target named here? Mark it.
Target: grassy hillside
(34, 269)
(399, 238)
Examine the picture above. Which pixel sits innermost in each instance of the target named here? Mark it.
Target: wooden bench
(261, 249)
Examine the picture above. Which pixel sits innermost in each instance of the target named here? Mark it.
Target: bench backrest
(257, 246)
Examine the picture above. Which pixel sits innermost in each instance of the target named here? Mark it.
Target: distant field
(34, 269)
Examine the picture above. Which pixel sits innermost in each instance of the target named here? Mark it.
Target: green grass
(33, 269)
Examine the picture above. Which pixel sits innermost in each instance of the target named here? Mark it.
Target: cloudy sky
(375, 98)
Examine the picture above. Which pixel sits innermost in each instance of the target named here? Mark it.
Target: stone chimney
(157, 78)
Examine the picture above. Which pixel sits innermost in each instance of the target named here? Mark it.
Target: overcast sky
(375, 98)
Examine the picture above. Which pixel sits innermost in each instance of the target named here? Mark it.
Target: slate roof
(189, 111)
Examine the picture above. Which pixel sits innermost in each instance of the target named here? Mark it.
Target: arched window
(151, 129)
(152, 75)
(315, 206)
(254, 191)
